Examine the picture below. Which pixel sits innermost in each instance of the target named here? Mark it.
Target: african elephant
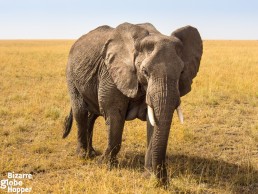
(128, 72)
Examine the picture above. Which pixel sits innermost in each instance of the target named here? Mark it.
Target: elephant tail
(68, 124)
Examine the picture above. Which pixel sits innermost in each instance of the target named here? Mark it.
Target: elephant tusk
(180, 114)
(151, 116)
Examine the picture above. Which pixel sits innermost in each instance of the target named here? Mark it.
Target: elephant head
(138, 58)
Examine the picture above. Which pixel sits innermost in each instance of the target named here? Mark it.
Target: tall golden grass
(214, 151)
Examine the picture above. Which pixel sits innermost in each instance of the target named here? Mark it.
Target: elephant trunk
(164, 99)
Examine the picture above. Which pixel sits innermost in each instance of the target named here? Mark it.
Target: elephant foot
(146, 174)
(111, 162)
(81, 152)
(102, 160)
(84, 153)
(162, 183)
(92, 153)
(158, 182)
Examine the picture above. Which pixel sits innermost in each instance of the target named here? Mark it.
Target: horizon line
(60, 39)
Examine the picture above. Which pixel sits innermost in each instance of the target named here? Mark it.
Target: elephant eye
(149, 47)
(145, 72)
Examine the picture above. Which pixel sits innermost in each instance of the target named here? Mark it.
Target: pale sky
(69, 19)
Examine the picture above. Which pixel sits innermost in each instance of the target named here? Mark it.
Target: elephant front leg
(113, 106)
(115, 124)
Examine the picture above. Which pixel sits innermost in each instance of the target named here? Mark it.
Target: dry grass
(215, 151)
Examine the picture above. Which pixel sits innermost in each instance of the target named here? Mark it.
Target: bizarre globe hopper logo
(14, 183)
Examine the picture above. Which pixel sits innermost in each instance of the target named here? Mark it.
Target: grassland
(214, 151)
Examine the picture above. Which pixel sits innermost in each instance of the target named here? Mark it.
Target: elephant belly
(136, 110)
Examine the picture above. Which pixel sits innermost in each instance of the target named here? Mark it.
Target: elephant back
(85, 55)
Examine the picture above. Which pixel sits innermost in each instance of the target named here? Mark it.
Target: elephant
(128, 72)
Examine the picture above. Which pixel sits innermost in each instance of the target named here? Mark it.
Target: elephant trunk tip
(68, 124)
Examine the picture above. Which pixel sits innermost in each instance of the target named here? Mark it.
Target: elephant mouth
(151, 115)
(162, 99)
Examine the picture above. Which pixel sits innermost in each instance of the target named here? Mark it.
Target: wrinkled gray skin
(117, 72)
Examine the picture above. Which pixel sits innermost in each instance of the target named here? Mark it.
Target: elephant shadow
(205, 171)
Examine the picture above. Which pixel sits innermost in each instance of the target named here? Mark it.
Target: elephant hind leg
(91, 120)
(80, 114)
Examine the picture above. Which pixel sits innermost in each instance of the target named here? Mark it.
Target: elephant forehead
(158, 38)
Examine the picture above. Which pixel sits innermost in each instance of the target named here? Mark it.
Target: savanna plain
(214, 151)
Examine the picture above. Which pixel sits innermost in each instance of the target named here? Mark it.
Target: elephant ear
(191, 53)
(119, 54)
